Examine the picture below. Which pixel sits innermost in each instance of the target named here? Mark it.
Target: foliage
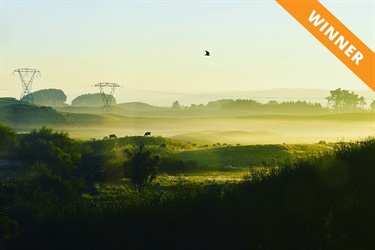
(289, 107)
(242, 104)
(8, 141)
(49, 97)
(92, 100)
(372, 105)
(8, 227)
(176, 105)
(53, 148)
(141, 168)
(218, 104)
(325, 201)
(343, 100)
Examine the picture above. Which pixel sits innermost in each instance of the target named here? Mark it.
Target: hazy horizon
(165, 99)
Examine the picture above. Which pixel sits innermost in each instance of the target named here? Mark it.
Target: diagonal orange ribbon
(335, 36)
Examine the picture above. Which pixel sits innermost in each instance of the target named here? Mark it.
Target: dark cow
(147, 133)
(112, 136)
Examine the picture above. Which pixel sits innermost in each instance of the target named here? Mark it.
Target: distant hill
(139, 106)
(17, 114)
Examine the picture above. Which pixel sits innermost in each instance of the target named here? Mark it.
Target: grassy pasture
(212, 161)
(250, 156)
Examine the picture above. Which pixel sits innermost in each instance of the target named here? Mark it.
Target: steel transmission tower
(107, 97)
(27, 77)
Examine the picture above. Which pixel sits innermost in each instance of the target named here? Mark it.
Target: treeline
(338, 101)
(57, 98)
(48, 97)
(290, 107)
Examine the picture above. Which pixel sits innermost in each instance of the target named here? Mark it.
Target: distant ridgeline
(48, 97)
(19, 115)
(91, 100)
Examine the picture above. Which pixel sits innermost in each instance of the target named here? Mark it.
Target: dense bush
(8, 142)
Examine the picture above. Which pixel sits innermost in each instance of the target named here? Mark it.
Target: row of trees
(339, 100)
(342, 100)
(48, 97)
(57, 98)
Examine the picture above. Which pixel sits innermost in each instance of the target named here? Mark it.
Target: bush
(141, 168)
(8, 141)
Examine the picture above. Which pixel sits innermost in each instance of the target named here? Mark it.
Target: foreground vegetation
(61, 200)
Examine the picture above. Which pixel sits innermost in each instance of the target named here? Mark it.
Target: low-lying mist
(241, 130)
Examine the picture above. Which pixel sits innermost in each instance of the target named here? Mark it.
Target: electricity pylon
(27, 77)
(107, 97)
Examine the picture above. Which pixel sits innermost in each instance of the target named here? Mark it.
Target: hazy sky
(159, 46)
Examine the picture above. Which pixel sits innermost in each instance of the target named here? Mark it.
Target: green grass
(250, 156)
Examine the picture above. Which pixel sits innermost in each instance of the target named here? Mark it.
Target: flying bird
(207, 53)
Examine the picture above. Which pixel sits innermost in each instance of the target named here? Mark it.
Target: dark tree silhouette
(176, 105)
(55, 149)
(49, 97)
(342, 100)
(8, 141)
(141, 168)
(91, 100)
(372, 106)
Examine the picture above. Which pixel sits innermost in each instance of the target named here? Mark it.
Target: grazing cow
(112, 136)
(147, 133)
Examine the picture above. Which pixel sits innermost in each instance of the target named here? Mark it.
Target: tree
(55, 149)
(49, 97)
(343, 100)
(8, 141)
(92, 100)
(141, 168)
(176, 105)
(372, 105)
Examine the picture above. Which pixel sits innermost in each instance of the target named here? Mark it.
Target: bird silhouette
(207, 53)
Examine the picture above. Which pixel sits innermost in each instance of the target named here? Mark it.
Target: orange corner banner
(335, 36)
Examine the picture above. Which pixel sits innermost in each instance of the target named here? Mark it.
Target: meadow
(225, 179)
(306, 196)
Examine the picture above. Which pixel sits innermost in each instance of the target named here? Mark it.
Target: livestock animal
(148, 134)
(112, 136)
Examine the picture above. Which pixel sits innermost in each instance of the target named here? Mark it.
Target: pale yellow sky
(159, 46)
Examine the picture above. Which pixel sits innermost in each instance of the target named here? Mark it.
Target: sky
(155, 49)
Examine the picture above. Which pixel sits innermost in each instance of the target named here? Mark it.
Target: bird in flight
(207, 53)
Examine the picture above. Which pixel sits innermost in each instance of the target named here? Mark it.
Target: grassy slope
(247, 156)
(216, 158)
